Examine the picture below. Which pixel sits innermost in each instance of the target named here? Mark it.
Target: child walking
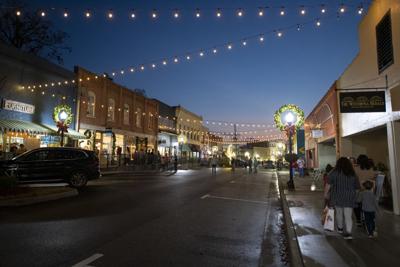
(369, 207)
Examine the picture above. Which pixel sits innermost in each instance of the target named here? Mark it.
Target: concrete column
(393, 131)
(346, 147)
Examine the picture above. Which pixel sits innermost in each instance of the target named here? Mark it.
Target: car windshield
(20, 155)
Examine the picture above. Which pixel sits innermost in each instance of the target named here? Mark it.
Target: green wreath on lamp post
(293, 108)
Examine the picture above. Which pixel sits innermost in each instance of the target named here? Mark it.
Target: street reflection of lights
(197, 14)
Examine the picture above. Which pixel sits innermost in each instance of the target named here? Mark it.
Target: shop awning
(71, 133)
(23, 127)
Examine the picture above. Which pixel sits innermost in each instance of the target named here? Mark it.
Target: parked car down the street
(72, 165)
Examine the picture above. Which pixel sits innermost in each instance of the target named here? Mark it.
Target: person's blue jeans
(369, 217)
(301, 172)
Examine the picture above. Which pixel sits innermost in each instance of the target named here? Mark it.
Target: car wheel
(78, 179)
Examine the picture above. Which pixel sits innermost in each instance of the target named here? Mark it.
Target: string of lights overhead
(197, 13)
(188, 56)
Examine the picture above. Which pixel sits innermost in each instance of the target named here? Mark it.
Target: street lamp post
(290, 120)
(62, 116)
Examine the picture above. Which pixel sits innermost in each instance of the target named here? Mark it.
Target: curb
(38, 199)
(296, 258)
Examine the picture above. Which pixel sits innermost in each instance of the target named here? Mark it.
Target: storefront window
(138, 118)
(126, 114)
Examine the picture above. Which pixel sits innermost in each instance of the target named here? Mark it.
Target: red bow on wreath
(290, 129)
(62, 127)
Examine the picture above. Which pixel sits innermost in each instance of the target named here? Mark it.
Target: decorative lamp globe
(62, 115)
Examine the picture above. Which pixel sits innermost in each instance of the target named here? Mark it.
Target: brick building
(113, 116)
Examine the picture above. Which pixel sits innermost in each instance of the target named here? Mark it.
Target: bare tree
(30, 32)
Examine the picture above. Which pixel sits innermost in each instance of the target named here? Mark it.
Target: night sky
(241, 85)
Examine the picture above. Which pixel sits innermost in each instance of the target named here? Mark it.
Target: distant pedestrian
(250, 163)
(21, 149)
(175, 163)
(300, 166)
(233, 163)
(342, 186)
(255, 164)
(369, 207)
(214, 163)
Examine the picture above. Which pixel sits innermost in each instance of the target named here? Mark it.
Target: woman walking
(342, 186)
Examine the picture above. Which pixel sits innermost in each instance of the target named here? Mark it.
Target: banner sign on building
(18, 106)
(353, 102)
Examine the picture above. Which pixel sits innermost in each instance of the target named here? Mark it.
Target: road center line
(236, 199)
(85, 262)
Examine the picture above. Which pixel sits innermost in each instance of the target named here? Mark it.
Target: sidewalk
(321, 248)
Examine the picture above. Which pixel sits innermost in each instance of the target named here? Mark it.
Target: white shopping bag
(329, 224)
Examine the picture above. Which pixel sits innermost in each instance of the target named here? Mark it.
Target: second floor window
(138, 118)
(111, 109)
(126, 114)
(91, 104)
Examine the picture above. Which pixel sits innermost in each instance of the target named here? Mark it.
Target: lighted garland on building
(299, 113)
(60, 108)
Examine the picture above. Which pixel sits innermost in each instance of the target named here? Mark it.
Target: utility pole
(235, 139)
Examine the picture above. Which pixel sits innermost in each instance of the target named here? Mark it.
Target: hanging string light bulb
(219, 13)
(154, 14)
(282, 12)
(342, 8)
(176, 14)
(318, 23)
(65, 14)
(42, 13)
(244, 42)
(323, 9)
(88, 14)
(110, 14)
(176, 59)
(201, 53)
(164, 62)
(229, 46)
(260, 11)
(360, 10)
(261, 38)
(302, 10)
(215, 50)
(279, 34)
(240, 12)
(188, 57)
(18, 13)
(197, 13)
(133, 14)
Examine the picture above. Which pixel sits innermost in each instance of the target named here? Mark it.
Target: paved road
(188, 219)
